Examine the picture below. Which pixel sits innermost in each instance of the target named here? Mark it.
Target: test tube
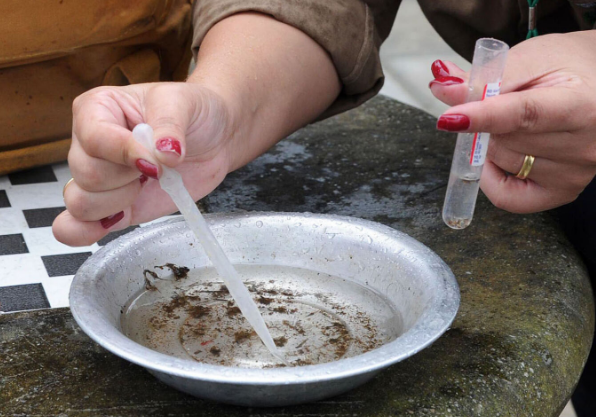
(488, 65)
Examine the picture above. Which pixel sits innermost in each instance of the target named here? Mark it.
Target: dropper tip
(279, 356)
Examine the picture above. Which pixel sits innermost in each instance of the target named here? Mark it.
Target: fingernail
(446, 81)
(169, 145)
(453, 122)
(109, 221)
(147, 168)
(439, 69)
(143, 178)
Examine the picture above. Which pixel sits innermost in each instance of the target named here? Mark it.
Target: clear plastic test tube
(488, 65)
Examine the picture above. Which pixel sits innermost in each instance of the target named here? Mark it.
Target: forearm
(273, 77)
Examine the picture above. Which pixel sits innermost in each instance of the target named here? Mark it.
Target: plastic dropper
(171, 182)
(488, 66)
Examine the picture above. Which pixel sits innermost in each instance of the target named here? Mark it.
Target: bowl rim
(433, 323)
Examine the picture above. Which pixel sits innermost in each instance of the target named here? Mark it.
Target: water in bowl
(313, 317)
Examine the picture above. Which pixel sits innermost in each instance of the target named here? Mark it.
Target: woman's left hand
(547, 108)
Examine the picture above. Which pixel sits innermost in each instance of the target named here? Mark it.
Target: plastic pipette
(171, 182)
(470, 150)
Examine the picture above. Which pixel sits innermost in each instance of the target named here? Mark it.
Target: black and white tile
(35, 269)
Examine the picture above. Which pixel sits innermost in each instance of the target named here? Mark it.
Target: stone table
(516, 348)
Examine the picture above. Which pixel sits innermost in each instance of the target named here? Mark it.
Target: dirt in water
(191, 314)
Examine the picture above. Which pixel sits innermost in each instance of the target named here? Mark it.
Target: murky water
(313, 317)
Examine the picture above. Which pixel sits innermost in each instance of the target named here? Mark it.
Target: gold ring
(66, 185)
(526, 167)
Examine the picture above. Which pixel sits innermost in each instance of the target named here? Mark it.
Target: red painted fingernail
(147, 168)
(453, 122)
(109, 221)
(143, 178)
(169, 145)
(446, 81)
(439, 69)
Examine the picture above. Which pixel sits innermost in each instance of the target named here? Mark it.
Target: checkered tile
(35, 269)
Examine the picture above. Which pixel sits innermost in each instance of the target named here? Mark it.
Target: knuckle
(498, 148)
(530, 114)
(125, 155)
(89, 140)
(488, 117)
(89, 96)
(502, 138)
(173, 126)
(86, 176)
(493, 150)
(76, 205)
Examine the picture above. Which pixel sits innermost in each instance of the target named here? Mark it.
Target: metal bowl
(409, 293)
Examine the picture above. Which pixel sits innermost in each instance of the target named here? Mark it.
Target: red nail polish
(143, 178)
(109, 221)
(453, 122)
(446, 81)
(169, 145)
(439, 69)
(147, 168)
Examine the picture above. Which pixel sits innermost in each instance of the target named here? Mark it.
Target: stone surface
(516, 347)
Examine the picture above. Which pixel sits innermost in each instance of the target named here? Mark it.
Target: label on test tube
(480, 144)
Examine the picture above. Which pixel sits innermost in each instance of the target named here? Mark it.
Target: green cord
(532, 31)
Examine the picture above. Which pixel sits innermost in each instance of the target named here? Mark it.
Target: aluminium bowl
(416, 284)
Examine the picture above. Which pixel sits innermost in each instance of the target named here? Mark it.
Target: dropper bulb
(143, 134)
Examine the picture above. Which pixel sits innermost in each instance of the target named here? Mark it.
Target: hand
(193, 133)
(228, 112)
(547, 108)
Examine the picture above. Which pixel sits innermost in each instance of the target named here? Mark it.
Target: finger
(102, 131)
(550, 173)
(511, 162)
(520, 196)
(168, 110)
(93, 174)
(535, 111)
(73, 232)
(563, 147)
(450, 83)
(90, 206)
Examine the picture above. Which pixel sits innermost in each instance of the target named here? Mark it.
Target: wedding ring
(66, 185)
(526, 167)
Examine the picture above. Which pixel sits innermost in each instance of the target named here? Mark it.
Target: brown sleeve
(351, 31)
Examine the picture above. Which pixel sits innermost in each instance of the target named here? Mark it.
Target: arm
(256, 81)
(274, 78)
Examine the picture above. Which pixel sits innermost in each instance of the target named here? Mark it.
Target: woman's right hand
(114, 177)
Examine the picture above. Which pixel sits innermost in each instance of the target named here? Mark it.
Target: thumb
(168, 110)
